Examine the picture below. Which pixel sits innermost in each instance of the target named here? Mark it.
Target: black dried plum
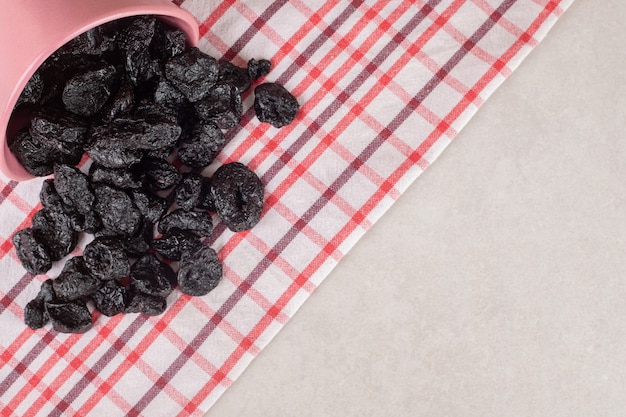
(187, 192)
(258, 69)
(274, 104)
(204, 143)
(151, 276)
(35, 314)
(205, 201)
(167, 42)
(134, 41)
(71, 317)
(46, 291)
(111, 298)
(75, 281)
(105, 258)
(122, 102)
(168, 97)
(147, 133)
(85, 93)
(54, 229)
(193, 73)
(110, 151)
(172, 245)
(95, 41)
(151, 207)
(73, 188)
(236, 76)
(222, 106)
(140, 244)
(53, 124)
(125, 179)
(150, 305)
(32, 92)
(199, 271)
(35, 155)
(160, 174)
(116, 210)
(199, 223)
(49, 197)
(238, 196)
(32, 252)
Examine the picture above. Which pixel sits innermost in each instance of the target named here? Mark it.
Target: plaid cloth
(384, 87)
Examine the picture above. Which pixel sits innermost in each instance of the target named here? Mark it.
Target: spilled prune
(105, 258)
(199, 271)
(222, 106)
(258, 69)
(238, 196)
(151, 276)
(274, 104)
(160, 174)
(150, 305)
(32, 252)
(193, 72)
(35, 314)
(54, 229)
(75, 281)
(172, 245)
(205, 142)
(198, 223)
(187, 192)
(70, 317)
(111, 298)
(125, 179)
(152, 207)
(116, 210)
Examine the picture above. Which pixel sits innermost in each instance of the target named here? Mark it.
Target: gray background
(496, 285)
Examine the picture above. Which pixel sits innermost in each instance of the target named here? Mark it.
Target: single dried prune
(203, 145)
(188, 190)
(151, 207)
(167, 42)
(258, 69)
(75, 281)
(138, 245)
(71, 317)
(205, 201)
(106, 259)
(160, 174)
(54, 229)
(35, 155)
(147, 133)
(234, 75)
(168, 97)
(32, 252)
(274, 104)
(111, 151)
(147, 304)
(95, 41)
(35, 314)
(238, 196)
(199, 223)
(172, 245)
(193, 73)
(199, 271)
(46, 291)
(32, 92)
(116, 210)
(125, 179)
(134, 41)
(151, 276)
(111, 298)
(49, 197)
(73, 188)
(222, 106)
(122, 102)
(85, 94)
(52, 124)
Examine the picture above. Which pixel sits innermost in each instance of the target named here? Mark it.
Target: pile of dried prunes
(150, 113)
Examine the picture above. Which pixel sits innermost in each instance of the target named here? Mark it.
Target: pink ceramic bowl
(31, 30)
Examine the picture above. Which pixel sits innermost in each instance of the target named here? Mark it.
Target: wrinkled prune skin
(125, 179)
(95, 41)
(122, 103)
(187, 192)
(258, 69)
(49, 197)
(34, 154)
(54, 229)
(46, 291)
(110, 151)
(151, 207)
(168, 96)
(167, 42)
(205, 200)
(198, 223)
(199, 271)
(193, 73)
(140, 244)
(150, 305)
(134, 41)
(32, 92)
(172, 245)
(111, 298)
(116, 210)
(105, 258)
(222, 106)
(236, 76)
(32, 252)
(151, 276)
(85, 93)
(204, 143)
(160, 174)
(70, 317)
(146, 133)
(74, 189)
(238, 196)
(52, 125)
(274, 104)
(75, 281)
(35, 314)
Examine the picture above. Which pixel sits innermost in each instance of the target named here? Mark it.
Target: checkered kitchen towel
(384, 86)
